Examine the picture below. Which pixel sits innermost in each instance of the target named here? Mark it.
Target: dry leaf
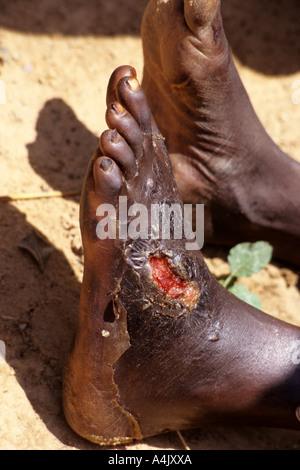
(38, 247)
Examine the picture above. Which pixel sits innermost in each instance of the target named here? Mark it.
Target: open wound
(173, 286)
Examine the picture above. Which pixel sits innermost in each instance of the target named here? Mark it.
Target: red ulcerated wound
(171, 284)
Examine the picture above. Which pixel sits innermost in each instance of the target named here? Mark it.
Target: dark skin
(144, 362)
(220, 152)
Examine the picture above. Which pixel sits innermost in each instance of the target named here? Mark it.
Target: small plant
(246, 259)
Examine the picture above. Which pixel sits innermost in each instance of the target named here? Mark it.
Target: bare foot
(220, 152)
(161, 345)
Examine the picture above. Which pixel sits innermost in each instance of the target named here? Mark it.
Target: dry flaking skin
(160, 344)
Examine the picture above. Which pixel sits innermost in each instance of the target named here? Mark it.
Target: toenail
(133, 84)
(113, 136)
(133, 72)
(105, 164)
(117, 108)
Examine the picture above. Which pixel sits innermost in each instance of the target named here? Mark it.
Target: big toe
(120, 72)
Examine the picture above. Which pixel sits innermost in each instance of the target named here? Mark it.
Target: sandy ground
(55, 60)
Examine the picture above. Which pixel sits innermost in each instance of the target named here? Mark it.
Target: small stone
(16, 57)
(76, 246)
(4, 51)
(28, 68)
(291, 278)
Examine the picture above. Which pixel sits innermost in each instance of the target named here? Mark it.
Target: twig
(183, 440)
(23, 196)
(228, 280)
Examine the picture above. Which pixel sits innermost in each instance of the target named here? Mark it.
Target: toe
(118, 118)
(133, 99)
(108, 178)
(113, 145)
(120, 72)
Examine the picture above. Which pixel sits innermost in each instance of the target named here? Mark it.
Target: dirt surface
(55, 60)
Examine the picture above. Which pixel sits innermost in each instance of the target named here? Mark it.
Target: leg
(160, 344)
(221, 154)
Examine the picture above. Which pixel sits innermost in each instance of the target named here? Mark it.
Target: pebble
(28, 68)
(76, 246)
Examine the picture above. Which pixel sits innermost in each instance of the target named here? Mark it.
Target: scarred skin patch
(173, 286)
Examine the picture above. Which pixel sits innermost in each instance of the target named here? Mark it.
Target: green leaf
(247, 258)
(242, 293)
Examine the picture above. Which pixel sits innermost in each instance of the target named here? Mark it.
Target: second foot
(221, 155)
(161, 345)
